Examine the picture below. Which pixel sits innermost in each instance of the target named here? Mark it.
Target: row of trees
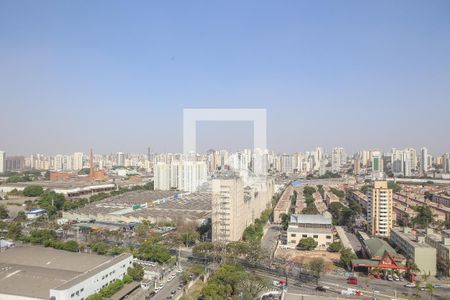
(310, 208)
(254, 232)
(47, 238)
(232, 252)
(112, 288)
(150, 249)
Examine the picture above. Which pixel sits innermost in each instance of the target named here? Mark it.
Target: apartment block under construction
(236, 205)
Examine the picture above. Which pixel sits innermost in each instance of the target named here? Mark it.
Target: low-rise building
(414, 247)
(360, 198)
(317, 227)
(283, 205)
(330, 197)
(381, 256)
(442, 244)
(442, 199)
(38, 273)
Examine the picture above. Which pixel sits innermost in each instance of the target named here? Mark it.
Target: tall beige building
(379, 209)
(235, 206)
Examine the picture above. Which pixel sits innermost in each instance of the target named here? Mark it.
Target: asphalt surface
(168, 287)
(381, 289)
(269, 240)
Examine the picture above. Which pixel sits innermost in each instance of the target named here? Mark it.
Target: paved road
(269, 240)
(165, 292)
(382, 289)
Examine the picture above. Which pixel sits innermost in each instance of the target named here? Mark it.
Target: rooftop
(310, 219)
(31, 271)
(377, 247)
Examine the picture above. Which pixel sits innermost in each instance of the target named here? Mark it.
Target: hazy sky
(116, 75)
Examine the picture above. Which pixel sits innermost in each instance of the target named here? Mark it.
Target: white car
(389, 277)
(396, 278)
(410, 285)
(276, 283)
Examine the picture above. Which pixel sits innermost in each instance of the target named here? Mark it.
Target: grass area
(194, 291)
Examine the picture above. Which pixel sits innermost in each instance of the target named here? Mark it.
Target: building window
(328, 236)
(315, 236)
(304, 235)
(293, 235)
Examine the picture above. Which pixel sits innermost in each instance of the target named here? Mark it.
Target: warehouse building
(36, 273)
(152, 206)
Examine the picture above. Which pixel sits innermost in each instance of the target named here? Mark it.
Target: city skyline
(120, 86)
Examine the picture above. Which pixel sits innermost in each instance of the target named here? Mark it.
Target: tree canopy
(307, 244)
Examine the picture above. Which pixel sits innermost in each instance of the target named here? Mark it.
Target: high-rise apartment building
(379, 209)
(120, 159)
(15, 163)
(338, 159)
(185, 175)
(446, 162)
(286, 164)
(377, 161)
(2, 161)
(401, 162)
(77, 162)
(424, 160)
(413, 158)
(162, 176)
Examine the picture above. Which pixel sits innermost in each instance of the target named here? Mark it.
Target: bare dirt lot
(304, 257)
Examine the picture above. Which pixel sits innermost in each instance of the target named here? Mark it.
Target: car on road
(437, 286)
(410, 285)
(173, 292)
(396, 278)
(276, 283)
(389, 277)
(321, 289)
(352, 280)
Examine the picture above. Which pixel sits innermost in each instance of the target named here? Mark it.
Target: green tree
(412, 267)
(127, 279)
(364, 189)
(203, 249)
(347, 256)
(71, 246)
(252, 284)
(95, 296)
(285, 221)
(52, 202)
(307, 244)
(396, 188)
(424, 216)
(430, 289)
(310, 209)
(4, 214)
(100, 248)
(150, 249)
(317, 267)
(33, 191)
(136, 272)
(335, 247)
(14, 230)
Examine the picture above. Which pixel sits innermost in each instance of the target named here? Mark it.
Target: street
(166, 291)
(269, 240)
